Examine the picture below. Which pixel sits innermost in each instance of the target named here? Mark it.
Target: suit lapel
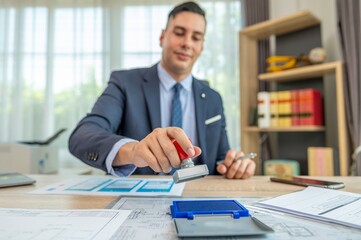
(200, 99)
(151, 93)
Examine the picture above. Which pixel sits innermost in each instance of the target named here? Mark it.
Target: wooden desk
(211, 186)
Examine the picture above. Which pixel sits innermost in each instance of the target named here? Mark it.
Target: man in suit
(129, 129)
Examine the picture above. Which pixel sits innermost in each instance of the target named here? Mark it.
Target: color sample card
(114, 186)
(120, 185)
(88, 185)
(156, 186)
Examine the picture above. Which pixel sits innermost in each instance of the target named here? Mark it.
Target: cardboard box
(28, 159)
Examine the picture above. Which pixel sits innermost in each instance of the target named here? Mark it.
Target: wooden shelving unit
(286, 129)
(301, 73)
(249, 80)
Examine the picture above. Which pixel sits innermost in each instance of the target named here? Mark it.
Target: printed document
(39, 224)
(114, 187)
(321, 204)
(150, 219)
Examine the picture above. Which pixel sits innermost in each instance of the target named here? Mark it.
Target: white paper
(320, 203)
(288, 226)
(114, 187)
(39, 224)
(150, 219)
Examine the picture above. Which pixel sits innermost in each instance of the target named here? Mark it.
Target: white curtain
(56, 57)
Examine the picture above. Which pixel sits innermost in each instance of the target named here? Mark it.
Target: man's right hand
(157, 150)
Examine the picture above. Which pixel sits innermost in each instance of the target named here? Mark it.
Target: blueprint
(151, 219)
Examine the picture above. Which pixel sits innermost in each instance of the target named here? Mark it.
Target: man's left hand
(240, 169)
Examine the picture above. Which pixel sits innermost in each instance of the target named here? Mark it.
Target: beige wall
(325, 10)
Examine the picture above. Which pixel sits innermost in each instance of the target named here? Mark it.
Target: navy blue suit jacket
(130, 108)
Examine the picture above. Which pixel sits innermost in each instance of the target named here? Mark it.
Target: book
(310, 107)
(264, 115)
(320, 161)
(274, 109)
(284, 108)
(295, 112)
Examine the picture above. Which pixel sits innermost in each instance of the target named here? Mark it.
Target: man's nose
(187, 41)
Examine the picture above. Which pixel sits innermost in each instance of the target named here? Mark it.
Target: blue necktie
(176, 119)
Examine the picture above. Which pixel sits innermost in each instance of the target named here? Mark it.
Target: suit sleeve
(96, 134)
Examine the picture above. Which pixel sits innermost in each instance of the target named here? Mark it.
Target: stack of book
(301, 107)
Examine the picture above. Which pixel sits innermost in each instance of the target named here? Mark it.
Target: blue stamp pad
(189, 208)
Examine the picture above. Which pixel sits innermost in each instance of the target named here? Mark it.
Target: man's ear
(162, 34)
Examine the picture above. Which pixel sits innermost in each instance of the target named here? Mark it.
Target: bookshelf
(249, 80)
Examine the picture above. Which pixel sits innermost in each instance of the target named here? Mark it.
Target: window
(56, 58)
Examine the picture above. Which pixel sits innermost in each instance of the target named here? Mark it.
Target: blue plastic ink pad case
(189, 208)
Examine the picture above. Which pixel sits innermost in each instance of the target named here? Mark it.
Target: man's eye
(197, 38)
(179, 33)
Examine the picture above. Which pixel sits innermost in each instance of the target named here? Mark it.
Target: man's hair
(187, 7)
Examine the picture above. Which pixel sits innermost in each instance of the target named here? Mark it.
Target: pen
(249, 155)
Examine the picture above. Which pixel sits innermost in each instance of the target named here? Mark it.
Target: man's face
(182, 43)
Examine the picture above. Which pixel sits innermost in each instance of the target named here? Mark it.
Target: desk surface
(211, 186)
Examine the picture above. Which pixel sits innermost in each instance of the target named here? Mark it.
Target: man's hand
(240, 169)
(156, 150)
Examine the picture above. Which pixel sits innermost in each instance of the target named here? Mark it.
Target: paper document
(150, 219)
(114, 187)
(321, 204)
(39, 224)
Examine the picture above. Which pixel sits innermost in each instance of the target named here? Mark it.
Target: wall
(325, 10)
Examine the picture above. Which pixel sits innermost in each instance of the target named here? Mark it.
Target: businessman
(132, 124)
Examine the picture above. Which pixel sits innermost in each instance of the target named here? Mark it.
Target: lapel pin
(203, 95)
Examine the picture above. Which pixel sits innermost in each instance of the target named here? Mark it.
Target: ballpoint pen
(249, 155)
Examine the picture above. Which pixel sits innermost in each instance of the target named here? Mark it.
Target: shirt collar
(168, 82)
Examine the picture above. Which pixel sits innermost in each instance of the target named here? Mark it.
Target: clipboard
(215, 218)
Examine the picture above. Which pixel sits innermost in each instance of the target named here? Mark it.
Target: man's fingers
(160, 145)
(197, 150)
(179, 135)
(239, 169)
(143, 157)
(250, 169)
(246, 169)
(222, 169)
(157, 150)
(230, 156)
(170, 152)
(233, 169)
(161, 157)
(242, 169)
